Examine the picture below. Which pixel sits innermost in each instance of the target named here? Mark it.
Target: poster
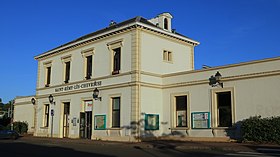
(200, 120)
(99, 122)
(88, 106)
(151, 122)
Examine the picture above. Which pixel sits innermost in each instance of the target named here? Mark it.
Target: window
(67, 72)
(224, 112)
(48, 77)
(116, 61)
(181, 111)
(46, 115)
(48, 71)
(88, 67)
(116, 112)
(165, 24)
(167, 56)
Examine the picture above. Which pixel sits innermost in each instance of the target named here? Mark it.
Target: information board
(100, 122)
(201, 120)
(151, 122)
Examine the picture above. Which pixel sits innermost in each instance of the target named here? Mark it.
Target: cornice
(89, 80)
(167, 86)
(221, 67)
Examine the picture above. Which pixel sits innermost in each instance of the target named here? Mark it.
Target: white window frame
(112, 46)
(174, 111)
(46, 66)
(46, 118)
(214, 113)
(64, 60)
(167, 56)
(86, 53)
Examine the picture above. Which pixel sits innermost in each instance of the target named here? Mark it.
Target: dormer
(163, 21)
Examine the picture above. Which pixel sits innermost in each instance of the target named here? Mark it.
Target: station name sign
(78, 86)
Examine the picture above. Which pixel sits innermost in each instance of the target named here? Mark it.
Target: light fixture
(51, 99)
(33, 101)
(95, 94)
(215, 81)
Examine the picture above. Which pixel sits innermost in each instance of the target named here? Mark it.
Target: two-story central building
(136, 79)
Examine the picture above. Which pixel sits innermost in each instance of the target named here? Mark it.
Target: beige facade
(147, 86)
(24, 111)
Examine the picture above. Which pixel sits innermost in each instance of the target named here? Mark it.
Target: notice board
(200, 120)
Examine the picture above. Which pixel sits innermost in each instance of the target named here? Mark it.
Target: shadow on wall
(151, 134)
(234, 132)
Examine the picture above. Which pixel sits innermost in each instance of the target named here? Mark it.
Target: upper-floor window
(88, 67)
(67, 72)
(167, 56)
(66, 60)
(48, 72)
(48, 78)
(115, 48)
(165, 23)
(116, 61)
(88, 62)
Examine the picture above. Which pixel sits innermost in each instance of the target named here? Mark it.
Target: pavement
(168, 144)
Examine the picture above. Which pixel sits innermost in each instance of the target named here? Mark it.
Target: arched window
(165, 23)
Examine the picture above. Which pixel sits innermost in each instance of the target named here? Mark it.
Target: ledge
(180, 128)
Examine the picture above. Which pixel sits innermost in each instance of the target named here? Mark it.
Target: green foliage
(20, 127)
(261, 130)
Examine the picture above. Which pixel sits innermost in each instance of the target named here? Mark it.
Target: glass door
(66, 120)
(82, 125)
(88, 124)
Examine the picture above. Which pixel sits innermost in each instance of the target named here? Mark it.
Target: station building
(135, 80)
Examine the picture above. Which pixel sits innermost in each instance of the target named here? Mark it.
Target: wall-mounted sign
(151, 122)
(78, 86)
(99, 122)
(88, 106)
(201, 120)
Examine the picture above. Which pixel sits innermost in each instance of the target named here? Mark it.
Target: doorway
(66, 120)
(86, 120)
(86, 124)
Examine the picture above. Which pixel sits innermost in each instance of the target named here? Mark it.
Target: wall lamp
(33, 101)
(95, 94)
(215, 81)
(51, 100)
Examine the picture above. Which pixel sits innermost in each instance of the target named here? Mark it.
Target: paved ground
(45, 147)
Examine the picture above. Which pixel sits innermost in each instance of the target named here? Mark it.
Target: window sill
(114, 129)
(87, 77)
(180, 128)
(166, 61)
(115, 72)
(223, 128)
(44, 127)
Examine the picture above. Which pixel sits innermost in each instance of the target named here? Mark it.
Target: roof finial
(112, 23)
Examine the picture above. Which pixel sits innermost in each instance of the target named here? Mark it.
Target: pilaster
(135, 78)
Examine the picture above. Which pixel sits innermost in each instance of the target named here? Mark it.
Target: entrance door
(82, 125)
(66, 120)
(86, 124)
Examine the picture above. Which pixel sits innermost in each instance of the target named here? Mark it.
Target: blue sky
(230, 31)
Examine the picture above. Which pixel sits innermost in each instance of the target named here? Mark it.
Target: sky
(229, 31)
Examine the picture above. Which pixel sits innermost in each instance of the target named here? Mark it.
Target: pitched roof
(107, 29)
